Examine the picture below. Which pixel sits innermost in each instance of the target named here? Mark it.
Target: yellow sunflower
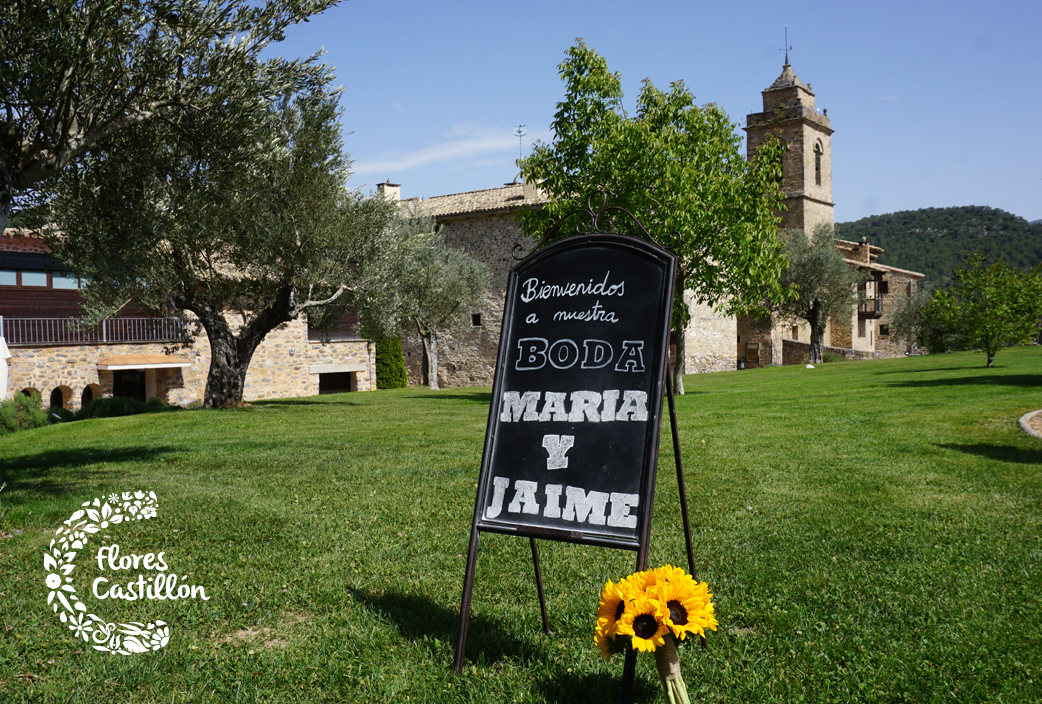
(688, 606)
(613, 603)
(669, 573)
(640, 582)
(644, 620)
(603, 641)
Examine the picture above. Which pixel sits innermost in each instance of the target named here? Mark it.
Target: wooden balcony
(872, 308)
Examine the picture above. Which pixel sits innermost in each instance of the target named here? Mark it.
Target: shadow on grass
(903, 370)
(596, 688)
(482, 397)
(998, 380)
(33, 468)
(1003, 453)
(306, 402)
(417, 617)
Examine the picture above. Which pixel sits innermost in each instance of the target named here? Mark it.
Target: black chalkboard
(572, 441)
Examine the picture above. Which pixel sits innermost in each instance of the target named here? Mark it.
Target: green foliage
(426, 288)
(390, 364)
(935, 241)
(989, 308)
(116, 406)
(917, 322)
(830, 357)
(678, 168)
(217, 227)
(76, 73)
(64, 415)
(826, 286)
(21, 412)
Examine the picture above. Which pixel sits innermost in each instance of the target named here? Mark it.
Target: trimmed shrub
(112, 408)
(832, 357)
(56, 414)
(21, 413)
(390, 364)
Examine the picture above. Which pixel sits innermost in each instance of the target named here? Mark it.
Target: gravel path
(1032, 423)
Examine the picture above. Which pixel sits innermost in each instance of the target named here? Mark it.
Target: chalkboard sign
(572, 441)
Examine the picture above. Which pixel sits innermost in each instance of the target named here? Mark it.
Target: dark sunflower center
(619, 609)
(677, 612)
(645, 626)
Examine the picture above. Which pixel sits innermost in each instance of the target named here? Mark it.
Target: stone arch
(32, 391)
(61, 397)
(90, 392)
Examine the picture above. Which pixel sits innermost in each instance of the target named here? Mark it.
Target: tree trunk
(6, 191)
(231, 354)
(227, 377)
(430, 359)
(817, 334)
(679, 366)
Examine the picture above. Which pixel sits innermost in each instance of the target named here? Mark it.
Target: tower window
(475, 320)
(817, 163)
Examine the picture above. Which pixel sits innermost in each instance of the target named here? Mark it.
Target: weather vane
(787, 45)
(519, 130)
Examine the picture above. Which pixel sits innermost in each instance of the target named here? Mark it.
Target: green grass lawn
(870, 531)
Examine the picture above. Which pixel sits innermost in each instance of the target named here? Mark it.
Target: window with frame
(818, 151)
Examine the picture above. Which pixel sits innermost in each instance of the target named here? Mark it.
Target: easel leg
(539, 588)
(468, 592)
(680, 482)
(629, 670)
(680, 473)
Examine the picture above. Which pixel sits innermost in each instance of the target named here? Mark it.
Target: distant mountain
(935, 241)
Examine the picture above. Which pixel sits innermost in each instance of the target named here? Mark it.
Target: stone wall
(467, 354)
(799, 352)
(14, 241)
(748, 332)
(286, 364)
(75, 367)
(709, 338)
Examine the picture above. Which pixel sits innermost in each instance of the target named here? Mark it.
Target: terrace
(36, 332)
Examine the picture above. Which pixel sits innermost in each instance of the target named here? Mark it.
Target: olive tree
(426, 288)
(246, 234)
(826, 285)
(76, 72)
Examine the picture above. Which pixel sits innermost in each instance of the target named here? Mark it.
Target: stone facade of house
(789, 113)
(484, 223)
(48, 359)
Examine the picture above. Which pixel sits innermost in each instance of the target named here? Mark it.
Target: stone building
(484, 223)
(789, 114)
(136, 352)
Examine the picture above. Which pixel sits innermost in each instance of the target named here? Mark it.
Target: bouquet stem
(668, 663)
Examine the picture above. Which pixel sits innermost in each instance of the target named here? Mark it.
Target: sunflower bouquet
(649, 612)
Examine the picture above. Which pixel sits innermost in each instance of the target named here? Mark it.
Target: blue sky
(934, 104)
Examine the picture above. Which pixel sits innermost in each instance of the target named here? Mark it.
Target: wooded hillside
(936, 240)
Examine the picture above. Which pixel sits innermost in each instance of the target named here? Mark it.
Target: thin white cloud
(474, 141)
(889, 98)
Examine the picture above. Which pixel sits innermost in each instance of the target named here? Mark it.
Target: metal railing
(28, 332)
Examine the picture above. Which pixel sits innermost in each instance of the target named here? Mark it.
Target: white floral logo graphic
(124, 638)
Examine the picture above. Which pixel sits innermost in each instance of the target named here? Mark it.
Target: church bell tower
(789, 114)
